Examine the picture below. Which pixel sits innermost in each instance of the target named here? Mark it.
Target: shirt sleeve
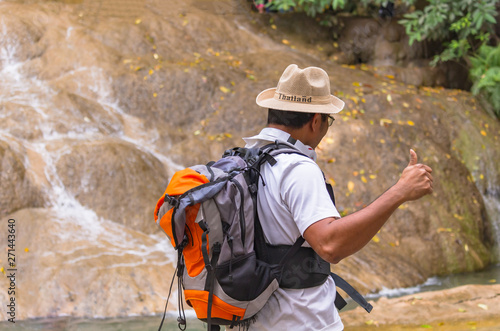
(304, 192)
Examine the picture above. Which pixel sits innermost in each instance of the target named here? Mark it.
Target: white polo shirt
(294, 197)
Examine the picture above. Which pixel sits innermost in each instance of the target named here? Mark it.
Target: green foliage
(464, 25)
(485, 73)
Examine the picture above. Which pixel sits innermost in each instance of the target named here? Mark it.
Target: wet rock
(19, 187)
(77, 265)
(116, 180)
(455, 309)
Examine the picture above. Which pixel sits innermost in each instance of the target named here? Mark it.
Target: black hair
(291, 119)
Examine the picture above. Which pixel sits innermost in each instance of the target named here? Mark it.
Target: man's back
(294, 196)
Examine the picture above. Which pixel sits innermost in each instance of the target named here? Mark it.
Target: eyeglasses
(331, 119)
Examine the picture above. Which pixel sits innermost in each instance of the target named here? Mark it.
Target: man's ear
(316, 122)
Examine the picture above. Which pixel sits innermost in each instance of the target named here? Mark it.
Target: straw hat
(301, 90)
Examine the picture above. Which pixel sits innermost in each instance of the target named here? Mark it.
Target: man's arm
(335, 239)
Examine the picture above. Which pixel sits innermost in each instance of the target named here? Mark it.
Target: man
(295, 202)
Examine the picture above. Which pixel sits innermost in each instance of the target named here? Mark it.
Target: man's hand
(416, 180)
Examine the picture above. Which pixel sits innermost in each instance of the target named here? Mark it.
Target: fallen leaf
(483, 132)
(482, 306)
(224, 89)
(411, 123)
(461, 310)
(376, 239)
(350, 186)
(363, 179)
(384, 121)
(286, 42)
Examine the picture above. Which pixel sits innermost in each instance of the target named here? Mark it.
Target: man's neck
(298, 134)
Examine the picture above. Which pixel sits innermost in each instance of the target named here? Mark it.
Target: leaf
(224, 89)
(483, 133)
(482, 306)
(286, 42)
(364, 180)
(461, 310)
(376, 239)
(426, 326)
(385, 121)
(411, 123)
(350, 186)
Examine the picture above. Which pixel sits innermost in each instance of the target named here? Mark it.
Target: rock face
(101, 104)
(125, 169)
(459, 308)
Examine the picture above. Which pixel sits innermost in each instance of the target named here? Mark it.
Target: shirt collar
(268, 135)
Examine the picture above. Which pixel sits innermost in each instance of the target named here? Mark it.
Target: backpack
(225, 268)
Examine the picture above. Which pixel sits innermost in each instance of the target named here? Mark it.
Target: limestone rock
(116, 180)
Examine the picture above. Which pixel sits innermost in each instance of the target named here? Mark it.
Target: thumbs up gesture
(416, 179)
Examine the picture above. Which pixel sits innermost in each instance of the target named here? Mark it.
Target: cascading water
(84, 242)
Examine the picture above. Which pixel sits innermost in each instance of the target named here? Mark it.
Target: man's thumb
(413, 157)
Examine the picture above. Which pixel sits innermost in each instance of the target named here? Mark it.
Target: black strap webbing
(351, 291)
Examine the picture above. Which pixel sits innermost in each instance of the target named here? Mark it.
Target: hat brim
(266, 99)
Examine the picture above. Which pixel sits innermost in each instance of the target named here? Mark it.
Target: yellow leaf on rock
(461, 310)
(384, 121)
(363, 179)
(332, 160)
(483, 132)
(411, 123)
(376, 239)
(350, 186)
(26, 249)
(286, 42)
(224, 89)
(482, 306)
